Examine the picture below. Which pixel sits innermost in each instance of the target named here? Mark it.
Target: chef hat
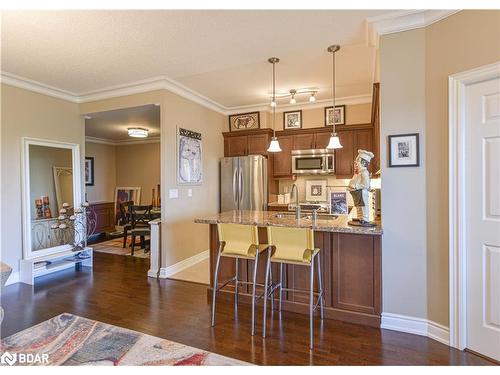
(365, 155)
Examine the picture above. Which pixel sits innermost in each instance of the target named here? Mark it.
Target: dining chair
(140, 218)
(124, 219)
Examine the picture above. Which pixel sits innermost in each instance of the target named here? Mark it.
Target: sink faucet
(297, 206)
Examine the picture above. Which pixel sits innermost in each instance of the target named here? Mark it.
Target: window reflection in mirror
(51, 185)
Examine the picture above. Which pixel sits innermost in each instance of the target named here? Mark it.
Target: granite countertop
(270, 218)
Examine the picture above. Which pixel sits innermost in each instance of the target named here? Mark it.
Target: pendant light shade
(274, 146)
(334, 142)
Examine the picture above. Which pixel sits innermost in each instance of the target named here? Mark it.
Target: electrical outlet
(173, 193)
(190, 192)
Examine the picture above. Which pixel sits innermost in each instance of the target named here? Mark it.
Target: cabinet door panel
(344, 157)
(321, 140)
(235, 146)
(364, 140)
(303, 141)
(282, 161)
(258, 144)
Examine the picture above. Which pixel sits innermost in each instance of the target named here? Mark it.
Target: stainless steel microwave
(318, 161)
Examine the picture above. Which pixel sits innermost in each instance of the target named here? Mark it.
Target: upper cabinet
(250, 142)
(282, 161)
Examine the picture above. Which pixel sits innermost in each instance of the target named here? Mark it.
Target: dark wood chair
(141, 216)
(125, 219)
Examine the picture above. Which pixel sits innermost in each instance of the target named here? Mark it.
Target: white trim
(182, 265)
(403, 20)
(13, 278)
(416, 326)
(456, 192)
(112, 142)
(38, 87)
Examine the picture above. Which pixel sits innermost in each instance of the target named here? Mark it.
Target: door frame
(457, 84)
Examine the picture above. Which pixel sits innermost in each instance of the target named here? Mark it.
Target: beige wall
(104, 172)
(28, 114)
(466, 40)
(178, 242)
(139, 165)
(415, 263)
(315, 117)
(404, 250)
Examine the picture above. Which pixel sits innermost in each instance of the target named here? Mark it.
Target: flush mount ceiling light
(334, 142)
(138, 132)
(274, 146)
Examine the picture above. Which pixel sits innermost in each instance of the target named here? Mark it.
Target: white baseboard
(13, 278)
(183, 264)
(416, 326)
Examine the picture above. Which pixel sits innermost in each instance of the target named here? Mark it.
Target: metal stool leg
(311, 306)
(268, 265)
(254, 281)
(271, 284)
(321, 294)
(214, 290)
(236, 284)
(281, 286)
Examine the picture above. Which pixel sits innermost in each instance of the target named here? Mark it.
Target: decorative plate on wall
(244, 121)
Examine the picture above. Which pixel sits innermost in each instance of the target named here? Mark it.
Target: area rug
(115, 246)
(71, 340)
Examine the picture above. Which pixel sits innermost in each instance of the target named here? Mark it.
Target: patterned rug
(72, 341)
(115, 246)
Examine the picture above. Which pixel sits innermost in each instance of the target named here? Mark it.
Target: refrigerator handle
(240, 184)
(235, 198)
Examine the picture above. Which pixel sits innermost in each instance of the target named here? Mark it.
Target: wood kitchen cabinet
(258, 144)
(235, 146)
(322, 139)
(303, 141)
(282, 161)
(248, 142)
(344, 157)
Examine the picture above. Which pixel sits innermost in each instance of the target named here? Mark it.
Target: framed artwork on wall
(244, 121)
(404, 150)
(89, 171)
(189, 158)
(316, 190)
(338, 115)
(292, 120)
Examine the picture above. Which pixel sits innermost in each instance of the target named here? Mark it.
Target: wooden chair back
(141, 215)
(124, 216)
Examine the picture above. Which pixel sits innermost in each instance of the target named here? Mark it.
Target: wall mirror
(51, 179)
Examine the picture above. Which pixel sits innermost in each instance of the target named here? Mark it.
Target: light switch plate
(190, 192)
(173, 193)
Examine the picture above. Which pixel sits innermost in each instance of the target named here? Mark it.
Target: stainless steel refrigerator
(243, 183)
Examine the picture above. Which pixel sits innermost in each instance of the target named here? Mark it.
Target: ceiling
(113, 125)
(219, 54)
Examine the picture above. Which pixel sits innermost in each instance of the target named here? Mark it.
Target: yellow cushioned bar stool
(240, 242)
(294, 246)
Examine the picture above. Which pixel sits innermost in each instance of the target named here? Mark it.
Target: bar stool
(240, 242)
(294, 246)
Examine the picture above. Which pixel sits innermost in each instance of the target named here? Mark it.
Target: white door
(482, 175)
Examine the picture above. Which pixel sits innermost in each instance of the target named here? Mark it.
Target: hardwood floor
(118, 292)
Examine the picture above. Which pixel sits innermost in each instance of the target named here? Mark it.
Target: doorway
(474, 131)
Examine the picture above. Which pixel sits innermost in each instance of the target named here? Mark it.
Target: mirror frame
(26, 199)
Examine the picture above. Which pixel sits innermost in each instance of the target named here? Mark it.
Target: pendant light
(274, 146)
(334, 139)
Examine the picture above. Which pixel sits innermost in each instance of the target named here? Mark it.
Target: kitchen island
(350, 264)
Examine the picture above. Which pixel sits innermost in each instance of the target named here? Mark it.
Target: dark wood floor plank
(118, 292)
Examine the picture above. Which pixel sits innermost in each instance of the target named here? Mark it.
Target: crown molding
(112, 142)
(265, 107)
(395, 22)
(38, 87)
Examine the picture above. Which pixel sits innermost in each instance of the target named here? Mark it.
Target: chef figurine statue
(359, 187)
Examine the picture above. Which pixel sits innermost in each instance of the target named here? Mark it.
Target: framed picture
(292, 120)
(404, 150)
(339, 115)
(189, 158)
(244, 121)
(89, 171)
(316, 190)
(338, 203)
(125, 194)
